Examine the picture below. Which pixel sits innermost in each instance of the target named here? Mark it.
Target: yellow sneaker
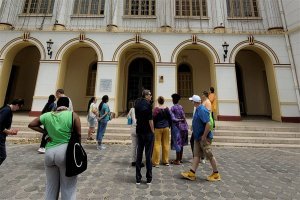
(214, 177)
(189, 175)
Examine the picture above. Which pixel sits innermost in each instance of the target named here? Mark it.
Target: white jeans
(133, 143)
(56, 180)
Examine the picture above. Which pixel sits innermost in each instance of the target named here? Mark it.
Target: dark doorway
(140, 76)
(240, 87)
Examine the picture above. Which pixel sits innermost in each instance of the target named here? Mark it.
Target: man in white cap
(202, 141)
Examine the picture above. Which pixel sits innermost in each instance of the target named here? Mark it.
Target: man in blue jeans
(5, 124)
(145, 134)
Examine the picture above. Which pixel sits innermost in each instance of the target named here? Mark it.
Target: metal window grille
(140, 7)
(188, 8)
(89, 7)
(242, 8)
(38, 7)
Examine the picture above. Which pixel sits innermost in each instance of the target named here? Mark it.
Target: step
(227, 144)
(257, 133)
(257, 140)
(294, 128)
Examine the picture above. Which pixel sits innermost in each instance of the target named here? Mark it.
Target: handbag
(129, 121)
(76, 158)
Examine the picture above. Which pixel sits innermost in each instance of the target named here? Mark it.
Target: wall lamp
(49, 47)
(225, 48)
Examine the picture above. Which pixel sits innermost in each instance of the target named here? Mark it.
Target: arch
(147, 44)
(200, 43)
(75, 41)
(18, 43)
(258, 47)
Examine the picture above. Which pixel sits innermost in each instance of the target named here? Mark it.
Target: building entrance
(140, 76)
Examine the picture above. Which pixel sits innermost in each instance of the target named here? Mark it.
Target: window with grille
(140, 7)
(38, 7)
(242, 8)
(89, 7)
(184, 81)
(187, 8)
(91, 81)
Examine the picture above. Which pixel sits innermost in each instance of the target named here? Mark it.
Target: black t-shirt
(143, 113)
(5, 120)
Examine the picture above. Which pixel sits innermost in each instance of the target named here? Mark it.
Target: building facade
(246, 49)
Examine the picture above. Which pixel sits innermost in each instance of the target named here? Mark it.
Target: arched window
(188, 8)
(140, 7)
(242, 8)
(184, 81)
(89, 7)
(38, 7)
(91, 81)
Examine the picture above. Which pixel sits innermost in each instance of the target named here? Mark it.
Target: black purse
(76, 158)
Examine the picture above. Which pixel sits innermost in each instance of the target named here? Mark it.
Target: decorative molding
(81, 37)
(194, 39)
(137, 38)
(26, 36)
(251, 39)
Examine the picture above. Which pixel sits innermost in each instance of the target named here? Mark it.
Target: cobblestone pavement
(247, 173)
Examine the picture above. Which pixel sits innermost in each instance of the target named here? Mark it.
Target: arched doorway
(77, 74)
(22, 72)
(140, 76)
(252, 84)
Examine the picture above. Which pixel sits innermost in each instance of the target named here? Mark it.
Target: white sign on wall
(105, 85)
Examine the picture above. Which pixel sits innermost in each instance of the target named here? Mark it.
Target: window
(186, 8)
(242, 8)
(89, 7)
(185, 88)
(38, 7)
(140, 7)
(91, 81)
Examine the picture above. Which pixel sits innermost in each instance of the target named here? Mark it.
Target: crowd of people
(152, 130)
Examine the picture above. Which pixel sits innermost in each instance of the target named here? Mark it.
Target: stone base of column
(228, 118)
(6, 26)
(166, 28)
(275, 30)
(219, 29)
(112, 28)
(59, 27)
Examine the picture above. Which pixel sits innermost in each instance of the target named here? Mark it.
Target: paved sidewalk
(247, 173)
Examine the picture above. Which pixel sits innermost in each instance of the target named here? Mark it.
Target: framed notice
(105, 85)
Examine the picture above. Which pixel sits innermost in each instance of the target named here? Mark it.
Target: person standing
(145, 134)
(50, 106)
(202, 142)
(104, 117)
(6, 115)
(92, 117)
(213, 99)
(59, 125)
(61, 93)
(179, 131)
(162, 123)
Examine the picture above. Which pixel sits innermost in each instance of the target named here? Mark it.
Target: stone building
(247, 49)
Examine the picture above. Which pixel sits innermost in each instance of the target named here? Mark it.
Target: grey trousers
(55, 165)
(133, 143)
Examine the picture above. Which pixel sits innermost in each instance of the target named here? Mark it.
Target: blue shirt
(103, 110)
(200, 118)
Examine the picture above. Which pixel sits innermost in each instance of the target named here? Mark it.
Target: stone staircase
(242, 134)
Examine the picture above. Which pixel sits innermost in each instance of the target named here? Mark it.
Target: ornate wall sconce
(225, 48)
(49, 47)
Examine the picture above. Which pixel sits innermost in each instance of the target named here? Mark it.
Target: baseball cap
(195, 98)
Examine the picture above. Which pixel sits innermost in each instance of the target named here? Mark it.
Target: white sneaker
(203, 161)
(41, 150)
(102, 147)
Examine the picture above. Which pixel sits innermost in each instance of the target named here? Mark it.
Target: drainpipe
(290, 52)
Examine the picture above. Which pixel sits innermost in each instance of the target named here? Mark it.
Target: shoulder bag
(76, 158)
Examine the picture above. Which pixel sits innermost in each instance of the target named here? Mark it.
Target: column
(45, 84)
(273, 15)
(113, 15)
(61, 16)
(218, 14)
(287, 94)
(106, 83)
(165, 81)
(228, 102)
(6, 14)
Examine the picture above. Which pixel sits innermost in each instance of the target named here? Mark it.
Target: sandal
(175, 162)
(90, 138)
